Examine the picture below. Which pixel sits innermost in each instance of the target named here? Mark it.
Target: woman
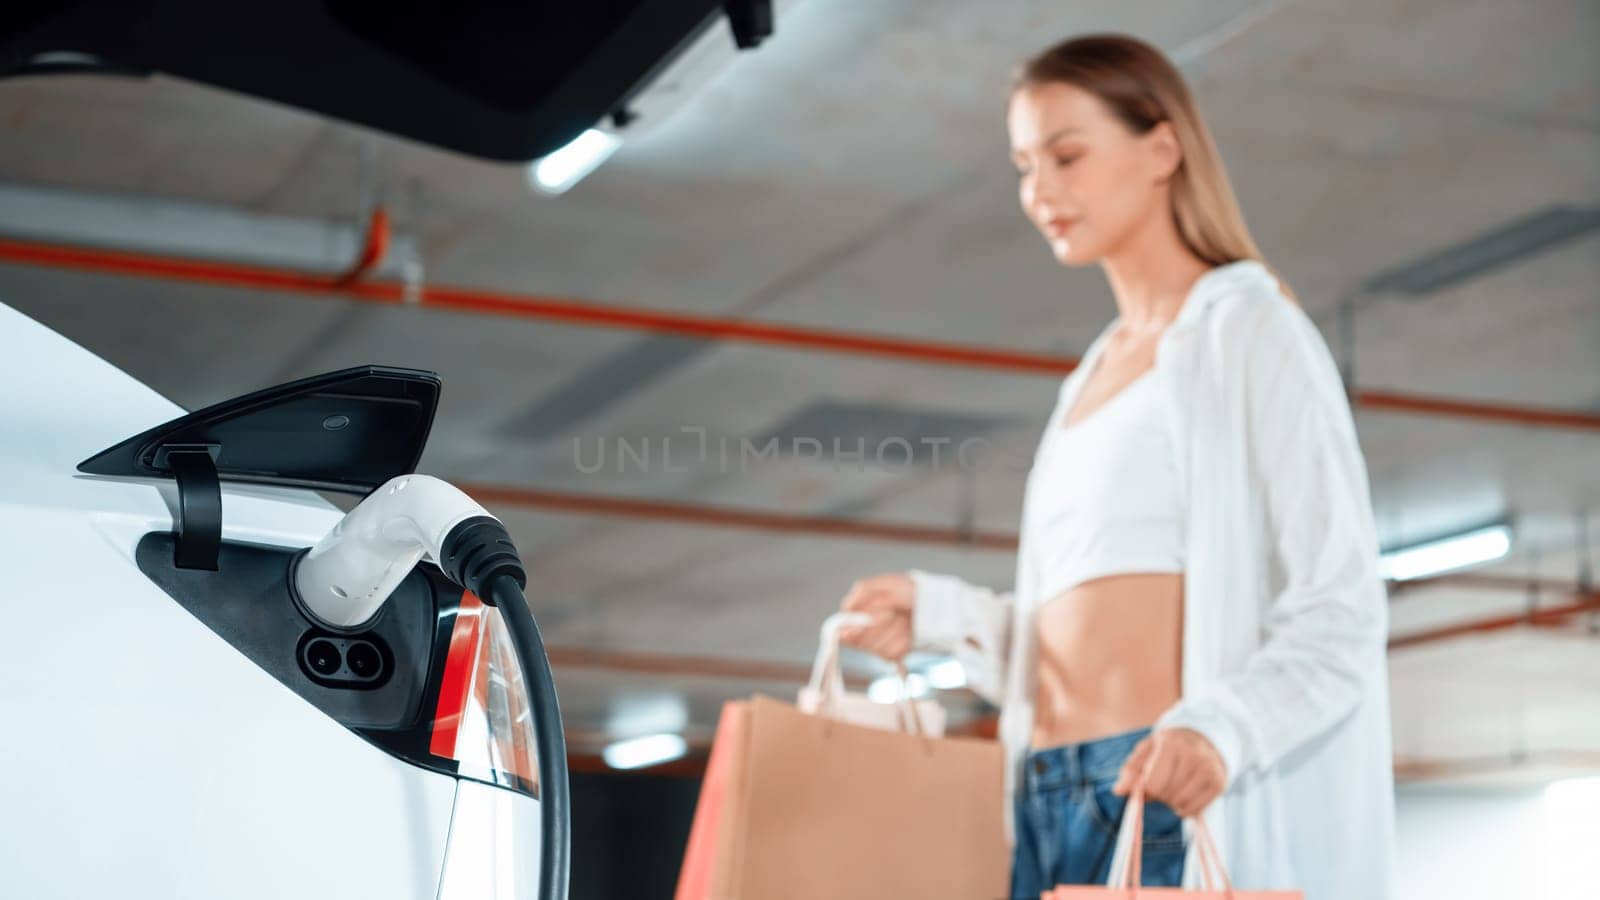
(1198, 603)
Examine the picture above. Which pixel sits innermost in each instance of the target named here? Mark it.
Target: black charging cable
(479, 556)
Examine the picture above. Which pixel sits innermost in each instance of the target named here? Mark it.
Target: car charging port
(359, 662)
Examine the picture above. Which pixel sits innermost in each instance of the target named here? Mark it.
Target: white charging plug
(343, 581)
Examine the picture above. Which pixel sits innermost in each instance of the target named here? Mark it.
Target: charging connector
(343, 581)
(476, 552)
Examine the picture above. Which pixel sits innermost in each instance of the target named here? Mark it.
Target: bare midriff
(1110, 656)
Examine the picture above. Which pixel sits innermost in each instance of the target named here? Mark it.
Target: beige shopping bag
(812, 807)
(1123, 884)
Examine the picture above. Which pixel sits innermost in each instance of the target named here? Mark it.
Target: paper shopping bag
(699, 857)
(1123, 883)
(813, 807)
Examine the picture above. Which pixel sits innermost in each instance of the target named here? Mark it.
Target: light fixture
(685, 74)
(886, 688)
(947, 675)
(559, 170)
(938, 672)
(1470, 548)
(650, 750)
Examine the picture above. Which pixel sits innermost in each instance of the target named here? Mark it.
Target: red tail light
(482, 720)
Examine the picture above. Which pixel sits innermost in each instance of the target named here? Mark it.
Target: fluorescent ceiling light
(942, 673)
(702, 62)
(685, 74)
(886, 688)
(947, 675)
(650, 750)
(1447, 554)
(561, 169)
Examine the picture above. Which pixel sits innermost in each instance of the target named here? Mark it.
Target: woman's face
(1086, 181)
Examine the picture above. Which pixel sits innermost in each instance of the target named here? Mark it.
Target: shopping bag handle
(825, 676)
(1126, 856)
(827, 681)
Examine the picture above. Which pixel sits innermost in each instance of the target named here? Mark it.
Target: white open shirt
(1285, 612)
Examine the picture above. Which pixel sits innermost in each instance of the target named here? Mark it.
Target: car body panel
(144, 756)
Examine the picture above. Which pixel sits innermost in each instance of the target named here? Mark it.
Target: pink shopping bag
(699, 857)
(1123, 884)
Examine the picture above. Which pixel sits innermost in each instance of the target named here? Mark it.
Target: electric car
(182, 726)
(217, 683)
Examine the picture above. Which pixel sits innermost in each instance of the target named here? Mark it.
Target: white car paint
(142, 755)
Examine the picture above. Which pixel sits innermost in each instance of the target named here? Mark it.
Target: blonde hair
(1142, 88)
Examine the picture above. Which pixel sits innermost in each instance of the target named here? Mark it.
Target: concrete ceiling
(852, 174)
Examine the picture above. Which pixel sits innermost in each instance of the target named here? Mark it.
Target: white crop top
(1102, 497)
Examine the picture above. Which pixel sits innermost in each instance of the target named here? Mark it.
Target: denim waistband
(1088, 763)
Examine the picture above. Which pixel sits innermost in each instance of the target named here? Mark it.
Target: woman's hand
(889, 599)
(1180, 768)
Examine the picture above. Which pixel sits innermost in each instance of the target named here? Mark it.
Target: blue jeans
(1067, 819)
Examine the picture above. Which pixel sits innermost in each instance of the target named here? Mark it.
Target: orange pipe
(672, 664)
(1547, 616)
(724, 517)
(372, 252)
(1406, 769)
(571, 312)
(1532, 416)
(580, 313)
(1421, 768)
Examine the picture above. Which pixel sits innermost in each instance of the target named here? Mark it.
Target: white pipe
(192, 230)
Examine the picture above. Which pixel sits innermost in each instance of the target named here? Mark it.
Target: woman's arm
(971, 623)
(1325, 631)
